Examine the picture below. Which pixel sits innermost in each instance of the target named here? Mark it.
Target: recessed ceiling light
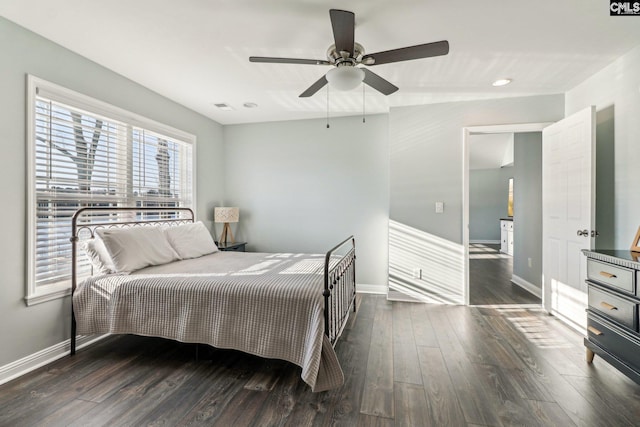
(501, 82)
(250, 105)
(225, 107)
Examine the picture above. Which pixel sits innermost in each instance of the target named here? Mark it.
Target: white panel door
(568, 213)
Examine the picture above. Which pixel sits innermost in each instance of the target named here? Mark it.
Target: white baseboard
(527, 286)
(484, 242)
(43, 357)
(362, 288)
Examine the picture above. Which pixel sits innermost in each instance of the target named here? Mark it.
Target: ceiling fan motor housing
(344, 57)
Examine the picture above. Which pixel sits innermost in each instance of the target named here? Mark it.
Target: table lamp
(226, 215)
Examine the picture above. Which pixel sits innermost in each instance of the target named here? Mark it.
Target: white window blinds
(84, 157)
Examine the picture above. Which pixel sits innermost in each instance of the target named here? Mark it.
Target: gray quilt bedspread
(269, 305)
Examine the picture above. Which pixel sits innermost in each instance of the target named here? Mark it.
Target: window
(83, 152)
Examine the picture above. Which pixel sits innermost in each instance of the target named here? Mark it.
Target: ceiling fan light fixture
(501, 82)
(345, 77)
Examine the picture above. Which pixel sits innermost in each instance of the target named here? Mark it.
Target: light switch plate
(439, 207)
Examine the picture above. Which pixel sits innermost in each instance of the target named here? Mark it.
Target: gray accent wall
(488, 200)
(615, 91)
(27, 330)
(606, 179)
(426, 166)
(527, 207)
(303, 188)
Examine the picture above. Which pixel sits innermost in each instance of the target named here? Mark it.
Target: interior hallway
(490, 278)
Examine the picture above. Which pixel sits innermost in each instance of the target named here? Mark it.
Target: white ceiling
(196, 51)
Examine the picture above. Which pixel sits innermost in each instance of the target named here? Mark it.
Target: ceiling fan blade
(288, 60)
(343, 24)
(426, 50)
(314, 87)
(378, 83)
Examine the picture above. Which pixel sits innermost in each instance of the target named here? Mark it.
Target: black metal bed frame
(339, 271)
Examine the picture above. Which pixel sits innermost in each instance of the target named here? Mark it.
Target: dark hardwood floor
(490, 278)
(405, 364)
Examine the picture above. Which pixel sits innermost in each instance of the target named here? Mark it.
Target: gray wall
(303, 188)
(488, 200)
(615, 91)
(527, 207)
(426, 166)
(605, 179)
(26, 330)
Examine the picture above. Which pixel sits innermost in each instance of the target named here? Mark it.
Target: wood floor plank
(548, 414)
(377, 398)
(365, 420)
(502, 397)
(600, 396)
(463, 373)
(233, 374)
(243, 408)
(266, 378)
(423, 332)
(281, 403)
(75, 409)
(343, 404)
(411, 405)
(442, 405)
(482, 344)
(406, 367)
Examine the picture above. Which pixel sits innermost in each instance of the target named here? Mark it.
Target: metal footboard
(339, 288)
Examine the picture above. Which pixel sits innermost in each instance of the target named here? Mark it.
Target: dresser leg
(590, 355)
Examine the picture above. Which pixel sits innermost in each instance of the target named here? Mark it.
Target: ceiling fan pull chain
(327, 106)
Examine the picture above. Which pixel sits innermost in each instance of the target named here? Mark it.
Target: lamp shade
(226, 214)
(345, 77)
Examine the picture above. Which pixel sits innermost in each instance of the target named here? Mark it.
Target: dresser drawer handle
(608, 275)
(608, 306)
(594, 331)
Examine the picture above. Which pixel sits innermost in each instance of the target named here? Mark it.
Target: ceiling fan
(346, 55)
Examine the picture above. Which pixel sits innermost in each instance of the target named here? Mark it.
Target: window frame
(37, 86)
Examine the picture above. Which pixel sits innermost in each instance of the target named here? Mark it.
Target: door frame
(466, 134)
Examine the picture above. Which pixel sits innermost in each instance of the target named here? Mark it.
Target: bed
(291, 307)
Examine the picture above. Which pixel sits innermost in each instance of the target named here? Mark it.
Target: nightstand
(236, 247)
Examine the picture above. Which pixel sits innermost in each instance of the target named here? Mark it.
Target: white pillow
(191, 240)
(97, 253)
(137, 247)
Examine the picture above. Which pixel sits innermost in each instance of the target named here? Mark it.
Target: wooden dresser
(612, 315)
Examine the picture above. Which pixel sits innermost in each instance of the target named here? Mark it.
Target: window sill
(48, 293)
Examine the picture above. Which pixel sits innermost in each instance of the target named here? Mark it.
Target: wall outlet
(439, 207)
(529, 262)
(417, 273)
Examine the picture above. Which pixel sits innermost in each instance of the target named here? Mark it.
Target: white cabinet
(506, 236)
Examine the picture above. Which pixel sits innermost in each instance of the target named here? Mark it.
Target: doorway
(491, 222)
(490, 277)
